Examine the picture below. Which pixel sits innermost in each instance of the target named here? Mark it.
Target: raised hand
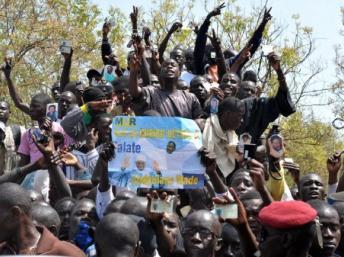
(267, 16)
(294, 170)
(7, 68)
(216, 11)
(153, 216)
(177, 25)
(133, 17)
(69, 159)
(106, 28)
(108, 152)
(215, 41)
(242, 216)
(47, 149)
(334, 162)
(257, 174)
(218, 93)
(134, 63)
(146, 33)
(275, 61)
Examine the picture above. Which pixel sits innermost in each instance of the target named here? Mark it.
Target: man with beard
(330, 230)
(311, 187)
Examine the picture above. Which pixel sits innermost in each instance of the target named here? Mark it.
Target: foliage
(309, 142)
(31, 34)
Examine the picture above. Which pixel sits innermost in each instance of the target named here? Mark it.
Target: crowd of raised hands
(58, 198)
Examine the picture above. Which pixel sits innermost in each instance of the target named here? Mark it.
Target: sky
(323, 16)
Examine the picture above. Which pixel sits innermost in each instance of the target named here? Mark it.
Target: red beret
(286, 215)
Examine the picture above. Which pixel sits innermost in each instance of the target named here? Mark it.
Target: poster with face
(109, 73)
(52, 111)
(245, 138)
(276, 146)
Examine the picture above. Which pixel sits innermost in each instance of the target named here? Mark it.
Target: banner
(156, 152)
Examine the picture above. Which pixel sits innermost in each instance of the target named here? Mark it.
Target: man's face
(55, 92)
(182, 85)
(311, 187)
(253, 207)
(65, 102)
(104, 130)
(170, 223)
(197, 87)
(82, 211)
(230, 242)
(170, 148)
(247, 89)
(4, 112)
(52, 108)
(189, 60)
(109, 69)
(242, 183)
(37, 110)
(229, 84)
(155, 81)
(169, 69)
(231, 120)
(178, 56)
(64, 210)
(140, 165)
(7, 229)
(276, 144)
(200, 235)
(340, 209)
(330, 229)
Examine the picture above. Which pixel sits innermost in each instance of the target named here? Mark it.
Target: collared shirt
(48, 244)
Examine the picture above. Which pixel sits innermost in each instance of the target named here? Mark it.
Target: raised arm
(163, 45)
(135, 66)
(334, 164)
(56, 174)
(220, 58)
(248, 242)
(282, 98)
(256, 38)
(106, 49)
(166, 241)
(257, 174)
(65, 75)
(201, 40)
(18, 102)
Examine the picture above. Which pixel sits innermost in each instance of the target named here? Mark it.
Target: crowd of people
(56, 197)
